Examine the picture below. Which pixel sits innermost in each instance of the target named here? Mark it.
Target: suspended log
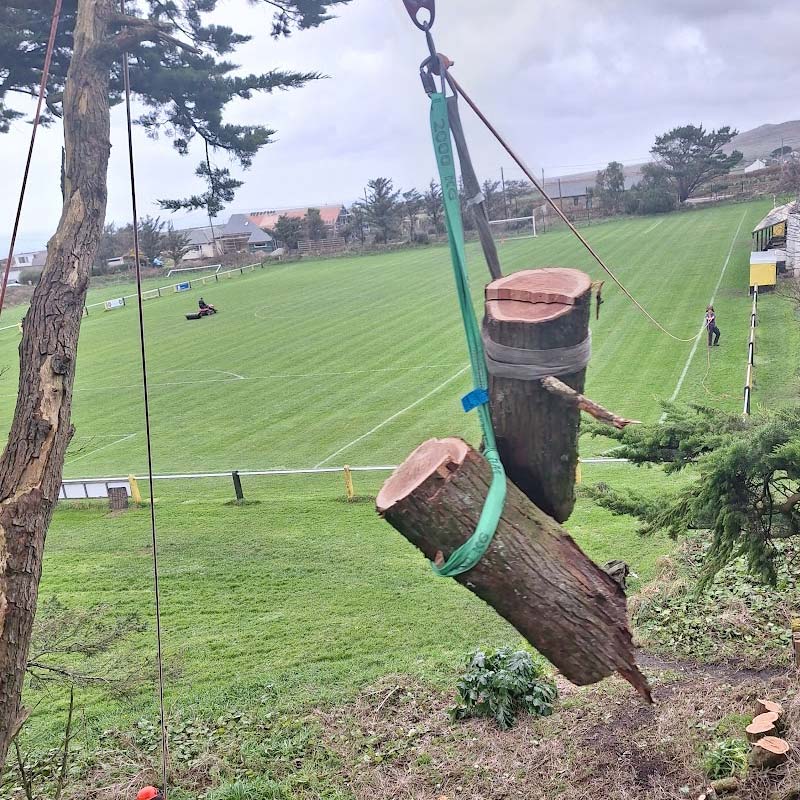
(762, 725)
(533, 574)
(537, 431)
(769, 752)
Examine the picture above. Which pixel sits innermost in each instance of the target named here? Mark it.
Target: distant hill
(755, 143)
(761, 141)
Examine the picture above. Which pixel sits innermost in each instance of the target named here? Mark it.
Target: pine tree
(182, 73)
(382, 209)
(315, 227)
(746, 486)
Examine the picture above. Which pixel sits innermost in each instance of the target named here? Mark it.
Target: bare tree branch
(573, 398)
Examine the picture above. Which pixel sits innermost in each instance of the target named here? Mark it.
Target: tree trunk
(533, 573)
(536, 432)
(31, 465)
(769, 752)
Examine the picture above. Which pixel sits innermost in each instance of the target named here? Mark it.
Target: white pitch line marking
(104, 447)
(652, 227)
(393, 417)
(700, 332)
(234, 378)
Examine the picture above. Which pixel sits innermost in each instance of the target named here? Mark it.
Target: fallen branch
(582, 403)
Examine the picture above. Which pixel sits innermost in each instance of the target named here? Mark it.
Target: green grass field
(355, 360)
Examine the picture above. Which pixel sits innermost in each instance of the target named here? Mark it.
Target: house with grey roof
(242, 233)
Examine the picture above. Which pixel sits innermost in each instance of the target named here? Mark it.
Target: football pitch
(352, 360)
(357, 360)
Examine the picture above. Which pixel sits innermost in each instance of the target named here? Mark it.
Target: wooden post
(537, 433)
(136, 495)
(348, 483)
(533, 574)
(117, 498)
(237, 486)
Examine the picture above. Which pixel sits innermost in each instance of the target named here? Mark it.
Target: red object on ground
(148, 793)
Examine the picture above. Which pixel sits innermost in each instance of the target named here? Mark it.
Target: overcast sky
(573, 83)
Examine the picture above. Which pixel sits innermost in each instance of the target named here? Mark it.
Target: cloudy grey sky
(573, 83)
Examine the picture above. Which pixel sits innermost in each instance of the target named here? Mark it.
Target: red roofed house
(266, 220)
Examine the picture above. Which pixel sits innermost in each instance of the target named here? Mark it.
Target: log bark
(762, 725)
(769, 752)
(533, 574)
(537, 433)
(31, 464)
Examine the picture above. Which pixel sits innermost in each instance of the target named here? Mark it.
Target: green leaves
(501, 684)
(743, 480)
(691, 156)
(726, 759)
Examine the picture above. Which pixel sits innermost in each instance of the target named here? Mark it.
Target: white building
(34, 260)
(757, 165)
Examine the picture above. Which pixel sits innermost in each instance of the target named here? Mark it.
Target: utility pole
(505, 197)
(782, 156)
(544, 206)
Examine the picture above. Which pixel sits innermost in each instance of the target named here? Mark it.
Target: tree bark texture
(533, 574)
(537, 433)
(32, 462)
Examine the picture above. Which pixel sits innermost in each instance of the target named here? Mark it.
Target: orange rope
(521, 164)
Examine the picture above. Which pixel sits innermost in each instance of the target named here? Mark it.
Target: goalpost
(215, 267)
(514, 228)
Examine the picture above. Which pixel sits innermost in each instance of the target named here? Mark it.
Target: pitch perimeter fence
(751, 353)
(172, 288)
(240, 481)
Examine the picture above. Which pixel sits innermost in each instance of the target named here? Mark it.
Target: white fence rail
(97, 488)
(751, 352)
(152, 294)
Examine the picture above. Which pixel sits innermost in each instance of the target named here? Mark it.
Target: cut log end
(533, 574)
(762, 725)
(770, 751)
(430, 457)
(536, 295)
(766, 706)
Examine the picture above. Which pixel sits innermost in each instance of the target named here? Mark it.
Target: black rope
(153, 529)
(51, 43)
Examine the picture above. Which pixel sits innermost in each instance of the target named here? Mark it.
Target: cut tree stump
(762, 725)
(533, 574)
(766, 706)
(536, 431)
(769, 752)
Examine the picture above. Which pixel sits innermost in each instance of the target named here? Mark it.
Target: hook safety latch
(415, 6)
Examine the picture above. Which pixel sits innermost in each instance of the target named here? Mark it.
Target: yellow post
(20, 328)
(578, 472)
(136, 495)
(348, 483)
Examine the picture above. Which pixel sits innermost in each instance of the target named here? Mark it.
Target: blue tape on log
(477, 397)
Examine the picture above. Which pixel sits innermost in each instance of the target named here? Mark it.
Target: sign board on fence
(90, 489)
(183, 287)
(117, 302)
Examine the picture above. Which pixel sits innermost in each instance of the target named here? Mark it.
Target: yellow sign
(763, 274)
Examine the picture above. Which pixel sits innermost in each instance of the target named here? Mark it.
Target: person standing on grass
(711, 327)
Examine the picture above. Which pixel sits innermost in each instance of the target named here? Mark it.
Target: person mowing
(711, 327)
(205, 308)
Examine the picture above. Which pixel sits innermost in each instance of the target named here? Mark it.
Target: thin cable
(153, 529)
(51, 43)
(521, 164)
